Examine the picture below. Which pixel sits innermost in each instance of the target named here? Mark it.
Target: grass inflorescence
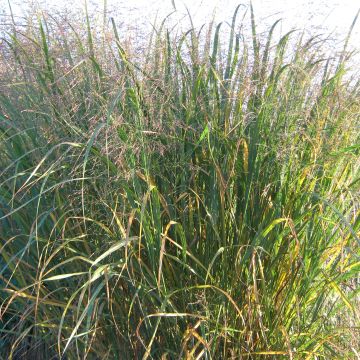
(200, 201)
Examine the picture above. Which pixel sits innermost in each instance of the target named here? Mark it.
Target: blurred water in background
(330, 18)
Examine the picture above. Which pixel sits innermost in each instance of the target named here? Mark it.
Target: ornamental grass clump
(200, 201)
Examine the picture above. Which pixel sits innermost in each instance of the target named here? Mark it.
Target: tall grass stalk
(200, 203)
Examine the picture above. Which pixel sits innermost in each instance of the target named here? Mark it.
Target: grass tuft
(199, 202)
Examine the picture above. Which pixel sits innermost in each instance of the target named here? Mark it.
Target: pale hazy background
(327, 17)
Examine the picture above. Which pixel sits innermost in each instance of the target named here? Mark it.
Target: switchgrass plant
(199, 202)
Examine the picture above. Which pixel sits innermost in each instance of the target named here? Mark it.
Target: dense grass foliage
(199, 200)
